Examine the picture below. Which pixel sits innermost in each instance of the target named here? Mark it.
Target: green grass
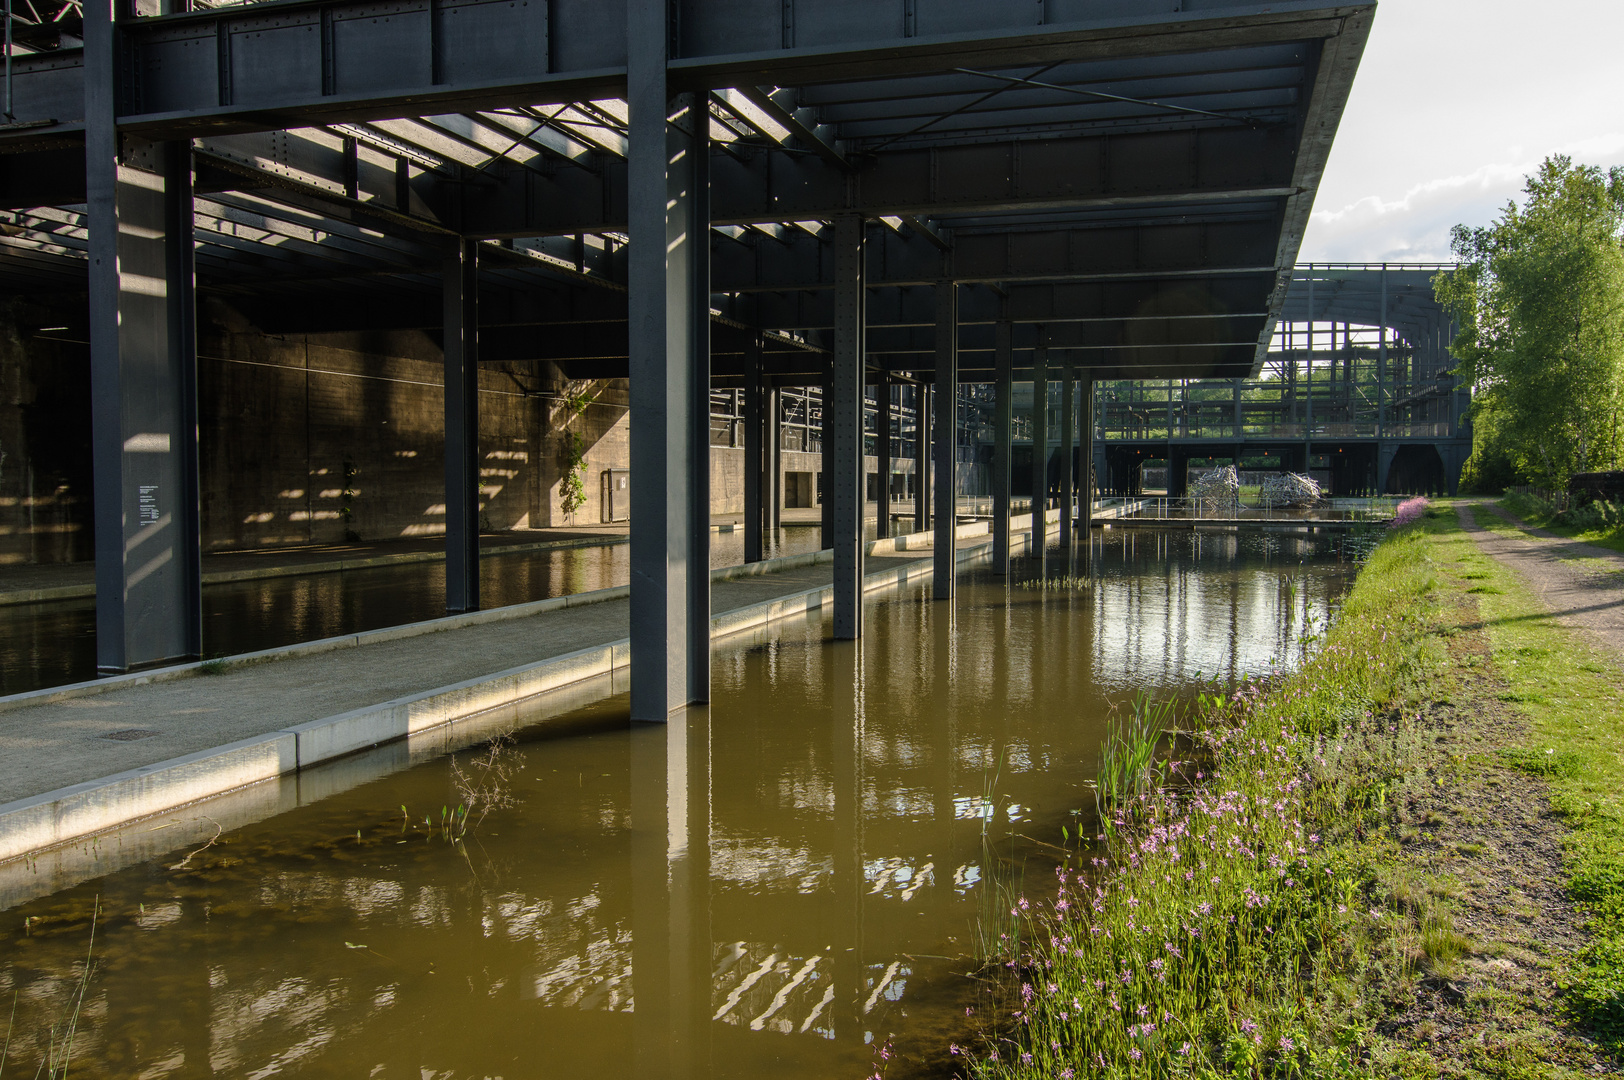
(1573, 700)
(1537, 513)
(1233, 931)
(1272, 918)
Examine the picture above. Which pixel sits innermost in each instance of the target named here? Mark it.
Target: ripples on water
(768, 887)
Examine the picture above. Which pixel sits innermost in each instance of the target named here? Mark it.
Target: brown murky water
(775, 885)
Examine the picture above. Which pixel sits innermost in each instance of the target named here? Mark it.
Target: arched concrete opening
(1417, 469)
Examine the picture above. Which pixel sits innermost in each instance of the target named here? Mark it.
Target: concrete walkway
(78, 760)
(1582, 584)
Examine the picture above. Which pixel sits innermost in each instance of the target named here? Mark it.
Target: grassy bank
(1571, 696)
(1331, 893)
(1598, 524)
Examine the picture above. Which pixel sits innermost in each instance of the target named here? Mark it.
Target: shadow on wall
(45, 460)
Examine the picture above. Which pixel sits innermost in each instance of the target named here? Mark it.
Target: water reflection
(54, 643)
(772, 886)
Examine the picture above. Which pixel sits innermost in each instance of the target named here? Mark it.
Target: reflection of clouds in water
(1171, 605)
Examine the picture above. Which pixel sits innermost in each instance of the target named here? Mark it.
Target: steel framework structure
(694, 194)
(1359, 363)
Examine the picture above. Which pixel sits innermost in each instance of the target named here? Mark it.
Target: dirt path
(1581, 583)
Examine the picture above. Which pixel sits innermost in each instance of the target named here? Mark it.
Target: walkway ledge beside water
(81, 759)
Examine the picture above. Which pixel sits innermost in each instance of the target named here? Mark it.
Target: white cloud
(1415, 225)
(1456, 101)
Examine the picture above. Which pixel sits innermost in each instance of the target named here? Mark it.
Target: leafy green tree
(1539, 296)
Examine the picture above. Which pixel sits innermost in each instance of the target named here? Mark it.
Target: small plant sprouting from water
(1129, 768)
(483, 785)
(1056, 584)
(487, 783)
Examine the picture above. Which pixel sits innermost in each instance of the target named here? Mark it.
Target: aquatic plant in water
(1129, 768)
(58, 1052)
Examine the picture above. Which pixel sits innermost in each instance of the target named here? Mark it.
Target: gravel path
(1581, 583)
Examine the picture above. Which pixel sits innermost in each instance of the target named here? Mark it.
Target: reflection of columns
(1068, 419)
(846, 913)
(1003, 425)
(668, 199)
(459, 285)
(143, 378)
(670, 872)
(947, 430)
(755, 466)
(1040, 452)
(882, 451)
(843, 412)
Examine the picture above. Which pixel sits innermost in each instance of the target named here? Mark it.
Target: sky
(1455, 102)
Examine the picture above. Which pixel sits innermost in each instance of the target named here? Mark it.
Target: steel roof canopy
(1142, 168)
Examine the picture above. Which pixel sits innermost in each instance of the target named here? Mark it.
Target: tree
(1539, 296)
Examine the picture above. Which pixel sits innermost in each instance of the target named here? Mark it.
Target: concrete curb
(91, 687)
(329, 566)
(69, 813)
(56, 817)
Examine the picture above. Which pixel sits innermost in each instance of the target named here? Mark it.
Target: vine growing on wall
(572, 484)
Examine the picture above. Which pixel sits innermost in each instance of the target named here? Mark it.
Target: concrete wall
(44, 438)
(314, 439)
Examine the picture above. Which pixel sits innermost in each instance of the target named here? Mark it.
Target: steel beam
(670, 379)
(1040, 457)
(1003, 439)
(250, 69)
(143, 375)
(946, 423)
(460, 285)
(843, 430)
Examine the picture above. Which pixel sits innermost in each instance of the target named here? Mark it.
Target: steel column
(882, 451)
(1068, 419)
(143, 376)
(1040, 454)
(1086, 511)
(922, 394)
(946, 423)
(773, 455)
(1381, 374)
(843, 412)
(459, 284)
(1003, 425)
(755, 467)
(826, 499)
(669, 366)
